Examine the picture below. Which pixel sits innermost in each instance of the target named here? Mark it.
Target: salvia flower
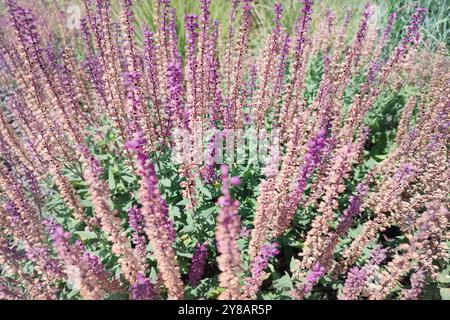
(227, 233)
(158, 226)
(198, 263)
(259, 264)
(417, 284)
(70, 98)
(354, 284)
(79, 270)
(143, 289)
(310, 281)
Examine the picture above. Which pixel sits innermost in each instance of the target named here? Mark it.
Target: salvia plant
(314, 166)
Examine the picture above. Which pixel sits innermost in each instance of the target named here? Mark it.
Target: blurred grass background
(436, 27)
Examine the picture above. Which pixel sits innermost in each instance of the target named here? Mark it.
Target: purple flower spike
(198, 263)
(258, 266)
(143, 289)
(311, 279)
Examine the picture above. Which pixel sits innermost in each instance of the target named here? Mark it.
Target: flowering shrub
(315, 168)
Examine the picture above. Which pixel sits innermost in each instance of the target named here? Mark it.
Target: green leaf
(111, 181)
(86, 203)
(165, 182)
(371, 162)
(284, 282)
(210, 211)
(202, 189)
(444, 276)
(174, 211)
(182, 202)
(86, 235)
(445, 293)
(293, 265)
(153, 274)
(188, 228)
(205, 192)
(72, 294)
(185, 254)
(103, 157)
(128, 179)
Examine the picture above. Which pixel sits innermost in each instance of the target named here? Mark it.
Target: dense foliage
(146, 158)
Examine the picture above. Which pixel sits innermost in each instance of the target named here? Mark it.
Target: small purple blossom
(257, 268)
(311, 279)
(198, 263)
(417, 284)
(154, 202)
(178, 114)
(378, 255)
(354, 284)
(143, 289)
(136, 219)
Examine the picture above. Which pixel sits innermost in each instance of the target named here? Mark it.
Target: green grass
(436, 28)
